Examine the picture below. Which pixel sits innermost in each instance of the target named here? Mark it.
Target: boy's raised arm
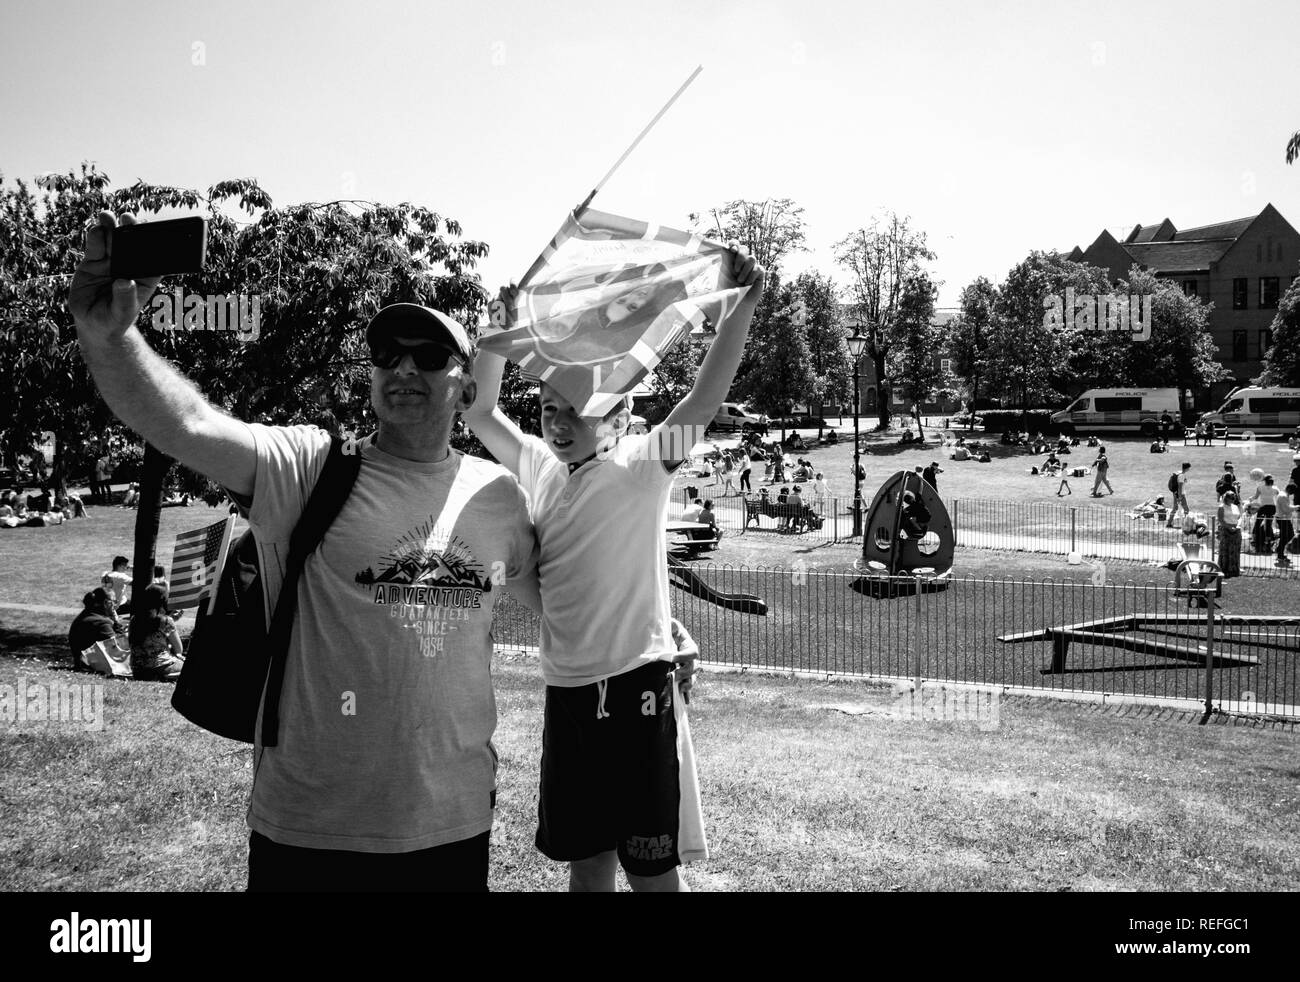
(497, 430)
(691, 416)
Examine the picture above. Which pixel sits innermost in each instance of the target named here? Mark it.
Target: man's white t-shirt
(604, 572)
(387, 712)
(118, 582)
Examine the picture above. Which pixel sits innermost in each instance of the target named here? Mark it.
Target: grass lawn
(807, 786)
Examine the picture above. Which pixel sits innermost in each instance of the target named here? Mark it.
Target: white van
(1264, 412)
(1119, 411)
(736, 416)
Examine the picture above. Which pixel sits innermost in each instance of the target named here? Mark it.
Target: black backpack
(232, 657)
(1173, 482)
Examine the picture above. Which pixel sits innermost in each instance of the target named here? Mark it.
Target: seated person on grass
(94, 623)
(156, 651)
(613, 778)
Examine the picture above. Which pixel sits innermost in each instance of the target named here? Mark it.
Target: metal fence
(1138, 642)
(1047, 527)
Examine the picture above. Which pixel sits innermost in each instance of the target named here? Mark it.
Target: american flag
(196, 564)
(606, 300)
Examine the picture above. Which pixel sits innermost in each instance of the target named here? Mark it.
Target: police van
(1264, 412)
(1119, 411)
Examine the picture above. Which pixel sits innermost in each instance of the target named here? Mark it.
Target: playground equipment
(889, 549)
(683, 577)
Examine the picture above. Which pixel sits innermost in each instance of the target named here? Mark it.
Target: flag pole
(577, 212)
(640, 136)
(226, 536)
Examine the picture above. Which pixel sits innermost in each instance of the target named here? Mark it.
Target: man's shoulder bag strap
(326, 501)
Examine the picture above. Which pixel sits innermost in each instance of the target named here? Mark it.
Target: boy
(618, 777)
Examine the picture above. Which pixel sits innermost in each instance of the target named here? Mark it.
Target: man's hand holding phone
(122, 266)
(103, 307)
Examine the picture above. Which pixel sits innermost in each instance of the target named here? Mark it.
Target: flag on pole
(197, 559)
(605, 301)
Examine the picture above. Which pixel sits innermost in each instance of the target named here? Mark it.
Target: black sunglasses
(427, 357)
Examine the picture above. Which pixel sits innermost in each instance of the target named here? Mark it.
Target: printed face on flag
(606, 301)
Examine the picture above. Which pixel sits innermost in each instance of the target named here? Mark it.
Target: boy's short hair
(120, 561)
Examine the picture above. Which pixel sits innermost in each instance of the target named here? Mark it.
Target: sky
(997, 126)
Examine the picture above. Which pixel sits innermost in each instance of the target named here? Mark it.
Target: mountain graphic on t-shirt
(412, 561)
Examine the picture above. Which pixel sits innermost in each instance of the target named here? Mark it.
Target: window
(1265, 342)
(1232, 406)
(1268, 292)
(1189, 288)
(945, 364)
(1118, 404)
(1283, 404)
(1240, 292)
(1238, 345)
(1078, 406)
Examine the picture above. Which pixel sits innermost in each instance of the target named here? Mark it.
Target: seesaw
(1103, 632)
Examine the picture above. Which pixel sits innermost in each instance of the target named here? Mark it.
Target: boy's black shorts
(610, 772)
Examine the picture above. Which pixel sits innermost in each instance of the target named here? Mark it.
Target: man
(1180, 494)
(116, 580)
(383, 776)
(1166, 426)
(94, 623)
(930, 474)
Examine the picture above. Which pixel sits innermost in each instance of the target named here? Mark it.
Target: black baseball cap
(414, 322)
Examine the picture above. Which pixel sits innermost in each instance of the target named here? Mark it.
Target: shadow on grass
(29, 644)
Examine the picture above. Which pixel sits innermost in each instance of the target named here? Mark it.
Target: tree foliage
(915, 362)
(816, 298)
(1282, 360)
(1181, 350)
(776, 370)
(770, 229)
(967, 337)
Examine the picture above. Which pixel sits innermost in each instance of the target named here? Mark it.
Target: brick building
(1242, 267)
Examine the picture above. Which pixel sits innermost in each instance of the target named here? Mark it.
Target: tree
(880, 258)
(968, 335)
(916, 349)
(776, 370)
(675, 375)
(1181, 349)
(816, 302)
(1293, 147)
(318, 270)
(770, 229)
(1282, 360)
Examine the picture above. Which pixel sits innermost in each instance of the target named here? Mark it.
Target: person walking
(1100, 468)
(1230, 534)
(1166, 427)
(1178, 488)
(1265, 500)
(1286, 509)
(745, 467)
(930, 474)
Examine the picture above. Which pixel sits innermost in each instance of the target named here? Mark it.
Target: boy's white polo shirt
(603, 566)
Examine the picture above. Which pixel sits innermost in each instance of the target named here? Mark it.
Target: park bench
(1220, 432)
(801, 517)
(689, 538)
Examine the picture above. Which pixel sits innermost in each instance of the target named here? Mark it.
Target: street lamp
(857, 345)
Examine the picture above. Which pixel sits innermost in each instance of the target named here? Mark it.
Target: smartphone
(158, 248)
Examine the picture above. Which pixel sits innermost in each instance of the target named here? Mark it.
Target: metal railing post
(1209, 654)
(916, 638)
(1073, 513)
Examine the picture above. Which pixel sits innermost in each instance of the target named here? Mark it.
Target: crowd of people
(40, 507)
(1271, 511)
(144, 623)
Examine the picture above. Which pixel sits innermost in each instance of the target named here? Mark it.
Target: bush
(1033, 420)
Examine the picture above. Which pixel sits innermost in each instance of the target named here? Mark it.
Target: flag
(196, 564)
(605, 301)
